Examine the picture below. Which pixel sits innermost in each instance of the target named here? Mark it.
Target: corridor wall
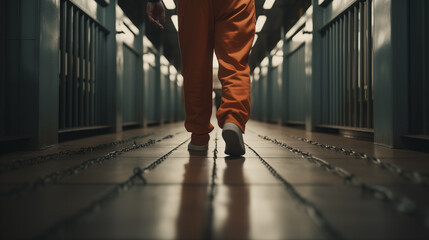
(28, 76)
(353, 66)
(419, 67)
(165, 91)
(2, 69)
(295, 88)
(129, 65)
(273, 87)
(151, 106)
(79, 66)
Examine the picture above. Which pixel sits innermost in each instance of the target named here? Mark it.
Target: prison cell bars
(347, 65)
(82, 49)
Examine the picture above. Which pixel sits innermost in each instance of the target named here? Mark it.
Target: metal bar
(90, 73)
(81, 67)
(341, 72)
(87, 72)
(69, 66)
(88, 15)
(98, 74)
(101, 79)
(425, 73)
(337, 72)
(103, 83)
(369, 63)
(361, 65)
(346, 65)
(356, 67)
(91, 77)
(63, 44)
(2, 69)
(95, 51)
(92, 69)
(333, 68)
(349, 68)
(344, 81)
(334, 73)
(75, 66)
(325, 64)
(331, 75)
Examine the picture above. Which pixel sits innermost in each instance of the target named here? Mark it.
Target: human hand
(156, 13)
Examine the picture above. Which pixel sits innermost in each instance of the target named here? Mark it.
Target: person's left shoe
(196, 148)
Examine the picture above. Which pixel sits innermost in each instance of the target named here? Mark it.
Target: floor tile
(33, 214)
(358, 215)
(148, 212)
(261, 212)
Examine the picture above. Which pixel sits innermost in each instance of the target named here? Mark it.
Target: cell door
(295, 90)
(129, 109)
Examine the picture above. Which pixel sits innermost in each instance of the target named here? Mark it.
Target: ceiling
(283, 15)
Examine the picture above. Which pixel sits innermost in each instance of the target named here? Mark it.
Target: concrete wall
(390, 72)
(32, 32)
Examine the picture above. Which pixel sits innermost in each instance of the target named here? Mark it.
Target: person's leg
(196, 45)
(234, 32)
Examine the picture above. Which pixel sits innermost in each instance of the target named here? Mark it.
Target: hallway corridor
(144, 184)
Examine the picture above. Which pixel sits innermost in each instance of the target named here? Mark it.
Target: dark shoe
(233, 139)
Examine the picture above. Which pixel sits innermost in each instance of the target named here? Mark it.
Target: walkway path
(144, 184)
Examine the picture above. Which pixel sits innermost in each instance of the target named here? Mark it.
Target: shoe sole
(234, 146)
(195, 148)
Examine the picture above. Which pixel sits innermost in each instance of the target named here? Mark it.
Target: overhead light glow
(215, 62)
(257, 71)
(265, 62)
(255, 39)
(149, 58)
(173, 70)
(260, 22)
(277, 60)
(179, 80)
(175, 20)
(169, 4)
(269, 4)
(164, 61)
(280, 44)
(164, 70)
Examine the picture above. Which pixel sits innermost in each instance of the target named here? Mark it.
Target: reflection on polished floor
(144, 184)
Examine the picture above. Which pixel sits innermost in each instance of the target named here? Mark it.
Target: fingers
(159, 25)
(156, 22)
(162, 17)
(156, 13)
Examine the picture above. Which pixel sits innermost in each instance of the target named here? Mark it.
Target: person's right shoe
(233, 139)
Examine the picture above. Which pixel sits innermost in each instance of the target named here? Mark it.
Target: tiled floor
(151, 187)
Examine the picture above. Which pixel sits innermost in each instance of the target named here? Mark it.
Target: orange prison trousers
(228, 28)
